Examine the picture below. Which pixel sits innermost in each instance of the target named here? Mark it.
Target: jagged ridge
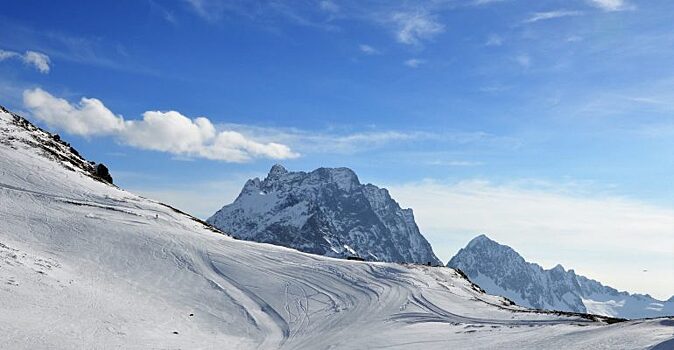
(500, 270)
(52, 146)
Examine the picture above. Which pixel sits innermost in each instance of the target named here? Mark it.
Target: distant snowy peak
(326, 211)
(500, 270)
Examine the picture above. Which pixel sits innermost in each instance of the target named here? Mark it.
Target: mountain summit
(500, 270)
(328, 212)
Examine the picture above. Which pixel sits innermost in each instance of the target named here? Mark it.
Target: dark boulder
(103, 173)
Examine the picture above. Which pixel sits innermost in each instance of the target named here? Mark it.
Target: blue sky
(492, 105)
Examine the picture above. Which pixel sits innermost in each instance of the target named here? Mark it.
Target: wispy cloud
(329, 6)
(611, 5)
(455, 163)
(414, 27)
(351, 142)
(56, 45)
(574, 39)
(164, 13)
(411, 24)
(269, 12)
(209, 10)
(523, 60)
(414, 62)
(543, 16)
(495, 88)
(169, 132)
(35, 59)
(486, 2)
(494, 40)
(331, 142)
(368, 50)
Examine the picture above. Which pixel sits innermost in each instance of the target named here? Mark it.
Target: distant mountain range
(328, 212)
(500, 270)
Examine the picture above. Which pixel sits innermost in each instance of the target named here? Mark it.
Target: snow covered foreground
(85, 265)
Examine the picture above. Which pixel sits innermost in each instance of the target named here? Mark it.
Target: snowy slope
(500, 270)
(85, 265)
(328, 212)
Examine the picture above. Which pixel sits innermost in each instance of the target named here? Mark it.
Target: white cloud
(169, 131)
(7, 54)
(367, 49)
(542, 16)
(605, 237)
(414, 62)
(88, 117)
(36, 59)
(611, 5)
(413, 27)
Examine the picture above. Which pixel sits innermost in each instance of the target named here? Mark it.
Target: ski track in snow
(85, 265)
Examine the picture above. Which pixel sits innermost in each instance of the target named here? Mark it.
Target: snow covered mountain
(86, 265)
(327, 212)
(500, 270)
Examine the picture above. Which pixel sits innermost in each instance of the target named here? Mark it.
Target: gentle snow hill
(85, 265)
(328, 212)
(500, 270)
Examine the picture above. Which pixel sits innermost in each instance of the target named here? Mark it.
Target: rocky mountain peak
(481, 240)
(344, 178)
(558, 268)
(326, 211)
(499, 269)
(276, 171)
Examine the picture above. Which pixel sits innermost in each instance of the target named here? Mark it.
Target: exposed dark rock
(102, 171)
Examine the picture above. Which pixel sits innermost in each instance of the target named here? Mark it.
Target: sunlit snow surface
(86, 265)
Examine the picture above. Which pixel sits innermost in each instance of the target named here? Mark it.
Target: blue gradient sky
(557, 102)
